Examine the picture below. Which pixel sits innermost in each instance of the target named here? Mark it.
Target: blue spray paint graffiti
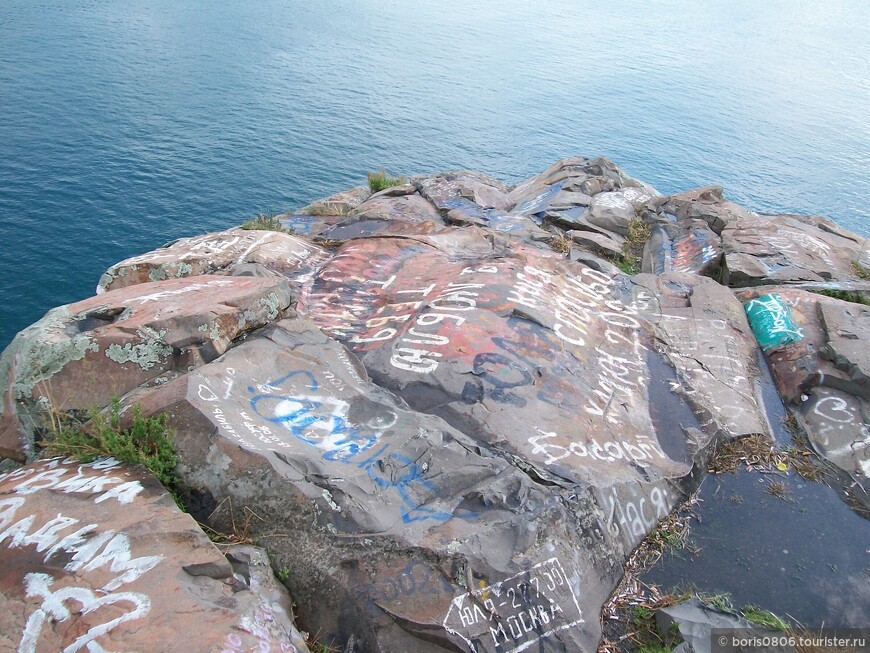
(322, 421)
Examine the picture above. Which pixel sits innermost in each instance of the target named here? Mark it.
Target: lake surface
(127, 124)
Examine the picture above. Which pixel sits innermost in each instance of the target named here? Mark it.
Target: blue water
(126, 124)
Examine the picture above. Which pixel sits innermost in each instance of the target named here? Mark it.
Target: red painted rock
(97, 557)
(689, 246)
(212, 253)
(81, 355)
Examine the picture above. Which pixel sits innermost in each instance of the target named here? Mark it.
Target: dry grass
(753, 452)
(779, 490)
(265, 222)
(560, 243)
(239, 533)
(328, 243)
(632, 596)
(638, 233)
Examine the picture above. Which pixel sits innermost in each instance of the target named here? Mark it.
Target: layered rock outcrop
(452, 435)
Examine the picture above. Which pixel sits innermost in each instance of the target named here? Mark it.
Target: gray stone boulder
(410, 207)
(98, 557)
(457, 190)
(385, 446)
(215, 253)
(341, 203)
(81, 355)
(609, 246)
(395, 528)
(575, 175)
(707, 204)
(770, 250)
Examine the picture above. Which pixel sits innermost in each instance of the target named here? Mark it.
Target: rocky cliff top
(454, 406)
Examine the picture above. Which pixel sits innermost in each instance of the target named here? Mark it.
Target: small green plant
(721, 601)
(627, 265)
(763, 618)
(860, 271)
(844, 295)
(283, 574)
(266, 223)
(379, 181)
(147, 441)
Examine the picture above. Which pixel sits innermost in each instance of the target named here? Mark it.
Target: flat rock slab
(707, 204)
(407, 208)
(341, 203)
(482, 342)
(288, 255)
(837, 426)
(598, 242)
(81, 355)
(783, 249)
(97, 557)
(394, 526)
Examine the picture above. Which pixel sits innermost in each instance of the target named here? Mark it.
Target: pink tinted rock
(81, 355)
(293, 257)
(98, 557)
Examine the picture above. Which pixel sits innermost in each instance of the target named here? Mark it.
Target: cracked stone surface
(81, 355)
(98, 557)
(826, 373)
(341, 203)
(288, 255)
(450, 436)
(707, 204)
(782, 249)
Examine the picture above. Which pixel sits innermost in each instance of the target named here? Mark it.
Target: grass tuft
(560, 243)
(266, 223)
(379, 181)
(845, 295)
(763, 618)
(779, 490)
(632, 250)
(860, 271)
(147, 441)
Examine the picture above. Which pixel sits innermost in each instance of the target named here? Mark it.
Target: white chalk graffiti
(53, 608)
(642, 452)
(584, 305)
(87, 548)
(193, 287)
(517, 612)
(629, 519)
